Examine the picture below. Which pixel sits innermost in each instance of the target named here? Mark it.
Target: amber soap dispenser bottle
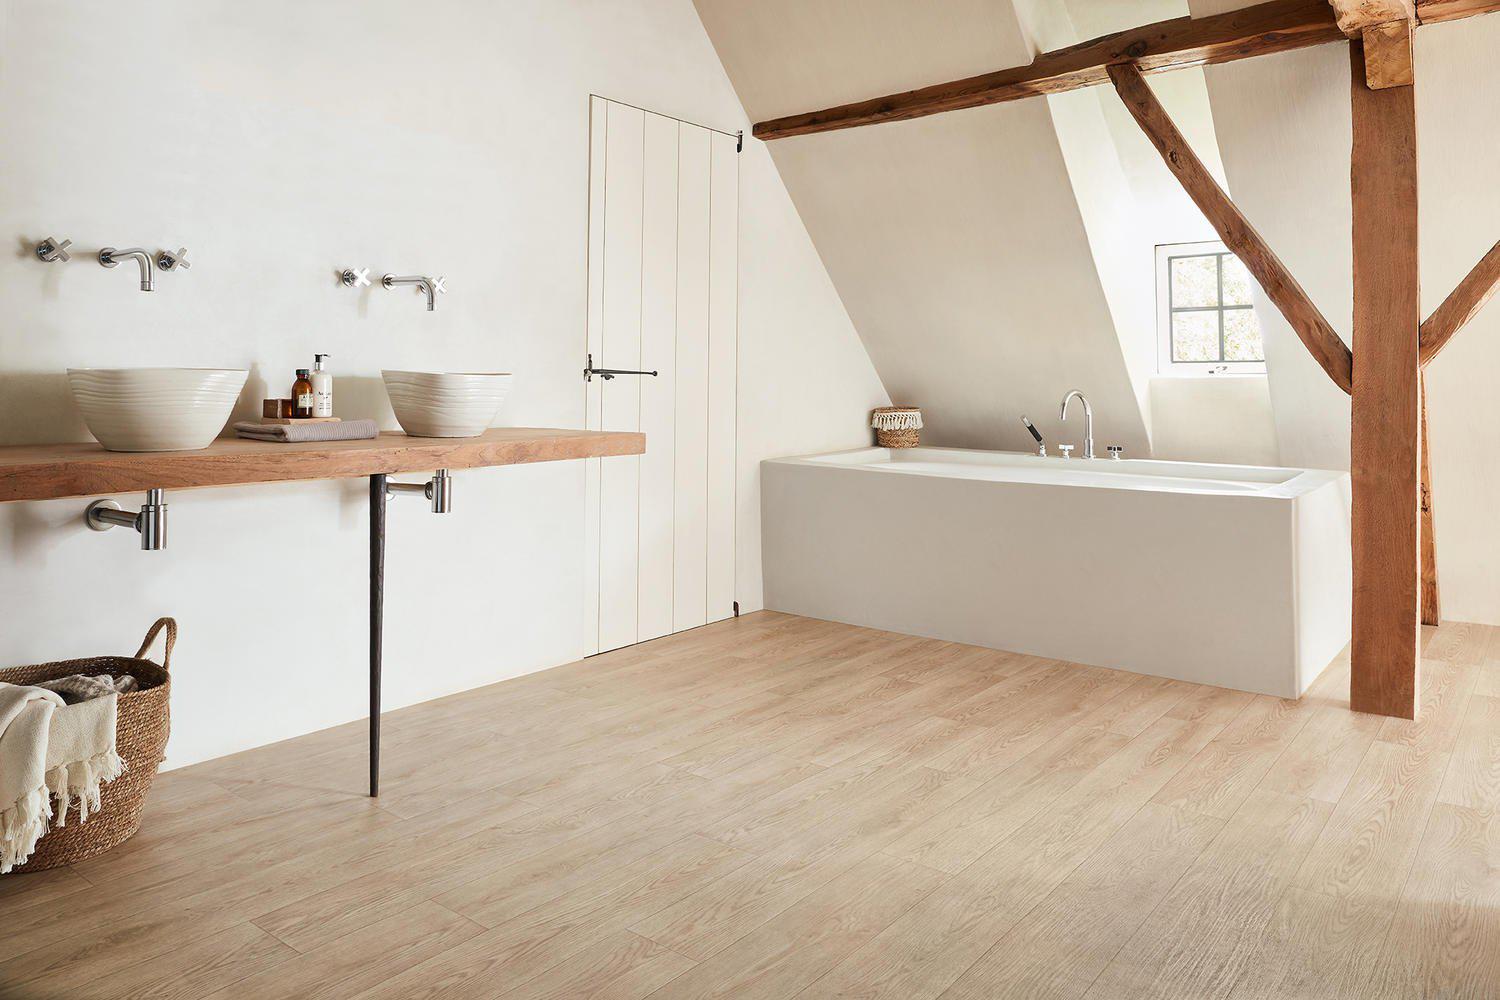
(302, 394)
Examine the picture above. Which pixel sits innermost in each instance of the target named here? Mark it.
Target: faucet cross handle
(52, 250)
(440, 284)
(1066, 449)
(355, 277)
(168, 261)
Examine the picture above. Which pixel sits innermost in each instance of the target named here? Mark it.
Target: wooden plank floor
(780, 807)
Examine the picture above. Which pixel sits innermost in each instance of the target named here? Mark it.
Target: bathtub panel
(1325, 578)
(1140, 579)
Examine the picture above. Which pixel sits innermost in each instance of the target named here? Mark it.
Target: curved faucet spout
(429, 285)
(109, 257)
(1088, 420)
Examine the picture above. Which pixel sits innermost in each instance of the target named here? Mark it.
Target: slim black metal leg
(377, 614)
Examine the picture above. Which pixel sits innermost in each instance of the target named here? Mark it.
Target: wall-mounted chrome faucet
(151, 522)
(110, 257)
(54, 251)
(432, 286)
(1088, 421)
(438, 489)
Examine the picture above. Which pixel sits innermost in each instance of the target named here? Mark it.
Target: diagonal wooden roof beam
(1233, 228)
(1461, 305)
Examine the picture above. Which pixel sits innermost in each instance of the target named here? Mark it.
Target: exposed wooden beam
(1432, 605)
(1232, 226)
(1354, 16)
(1265, 28)
(1462, 304)
(1386, 27)
(1184, 41)
(1388, 55)
(1385, 411)
(1434, 11)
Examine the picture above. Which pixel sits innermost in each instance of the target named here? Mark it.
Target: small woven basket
(141, 727)
(897, 426)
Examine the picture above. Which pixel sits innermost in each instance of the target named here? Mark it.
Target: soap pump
(322, 383)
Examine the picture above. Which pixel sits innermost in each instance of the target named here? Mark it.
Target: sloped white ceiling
(955, 241)
(789, 56)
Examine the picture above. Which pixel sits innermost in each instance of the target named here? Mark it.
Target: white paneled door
(662, 296)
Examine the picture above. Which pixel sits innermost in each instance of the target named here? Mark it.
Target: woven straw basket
(141, 727)
(897, 426)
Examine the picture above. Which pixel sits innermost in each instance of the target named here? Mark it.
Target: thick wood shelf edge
(51, 472)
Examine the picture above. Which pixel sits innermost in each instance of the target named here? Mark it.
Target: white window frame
(1189, 369)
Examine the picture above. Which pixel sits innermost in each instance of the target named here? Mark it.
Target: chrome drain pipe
(150, 522)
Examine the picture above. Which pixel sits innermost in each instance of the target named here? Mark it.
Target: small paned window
(1206, 322)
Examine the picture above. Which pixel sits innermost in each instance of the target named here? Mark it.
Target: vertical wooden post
(1432, 608)
(1385, 410)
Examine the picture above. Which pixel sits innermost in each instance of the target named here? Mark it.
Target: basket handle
(170, 624)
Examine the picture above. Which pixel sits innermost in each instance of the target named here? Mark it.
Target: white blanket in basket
(49, 749)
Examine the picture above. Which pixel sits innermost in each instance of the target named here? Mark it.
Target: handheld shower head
(1041, 446)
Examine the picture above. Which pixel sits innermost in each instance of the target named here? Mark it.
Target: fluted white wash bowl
(446, 404)
(156, 409)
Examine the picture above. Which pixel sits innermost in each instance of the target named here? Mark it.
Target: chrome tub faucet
(1088, 420)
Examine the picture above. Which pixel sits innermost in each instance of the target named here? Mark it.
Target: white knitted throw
(50, 750)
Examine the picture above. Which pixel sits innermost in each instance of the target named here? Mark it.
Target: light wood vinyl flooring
(780, 807)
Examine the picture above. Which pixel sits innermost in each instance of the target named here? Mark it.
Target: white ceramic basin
(156, 409)
(446, 404)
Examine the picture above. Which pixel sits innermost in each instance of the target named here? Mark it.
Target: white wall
(1114, 222)
(1216, 418)
(991, 258)
(1283, 128)
(1283, 124)
(281, 141)
(1131, 203)
(955, 241)
(1460, 221)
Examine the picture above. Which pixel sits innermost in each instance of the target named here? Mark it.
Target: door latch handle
(608, 373)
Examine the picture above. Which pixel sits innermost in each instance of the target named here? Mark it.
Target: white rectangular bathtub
(1236, 576)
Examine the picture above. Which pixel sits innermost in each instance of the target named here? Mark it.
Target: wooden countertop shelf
(53, 471)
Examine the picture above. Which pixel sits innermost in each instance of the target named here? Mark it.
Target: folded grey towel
(81, 687)
(344, 430)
